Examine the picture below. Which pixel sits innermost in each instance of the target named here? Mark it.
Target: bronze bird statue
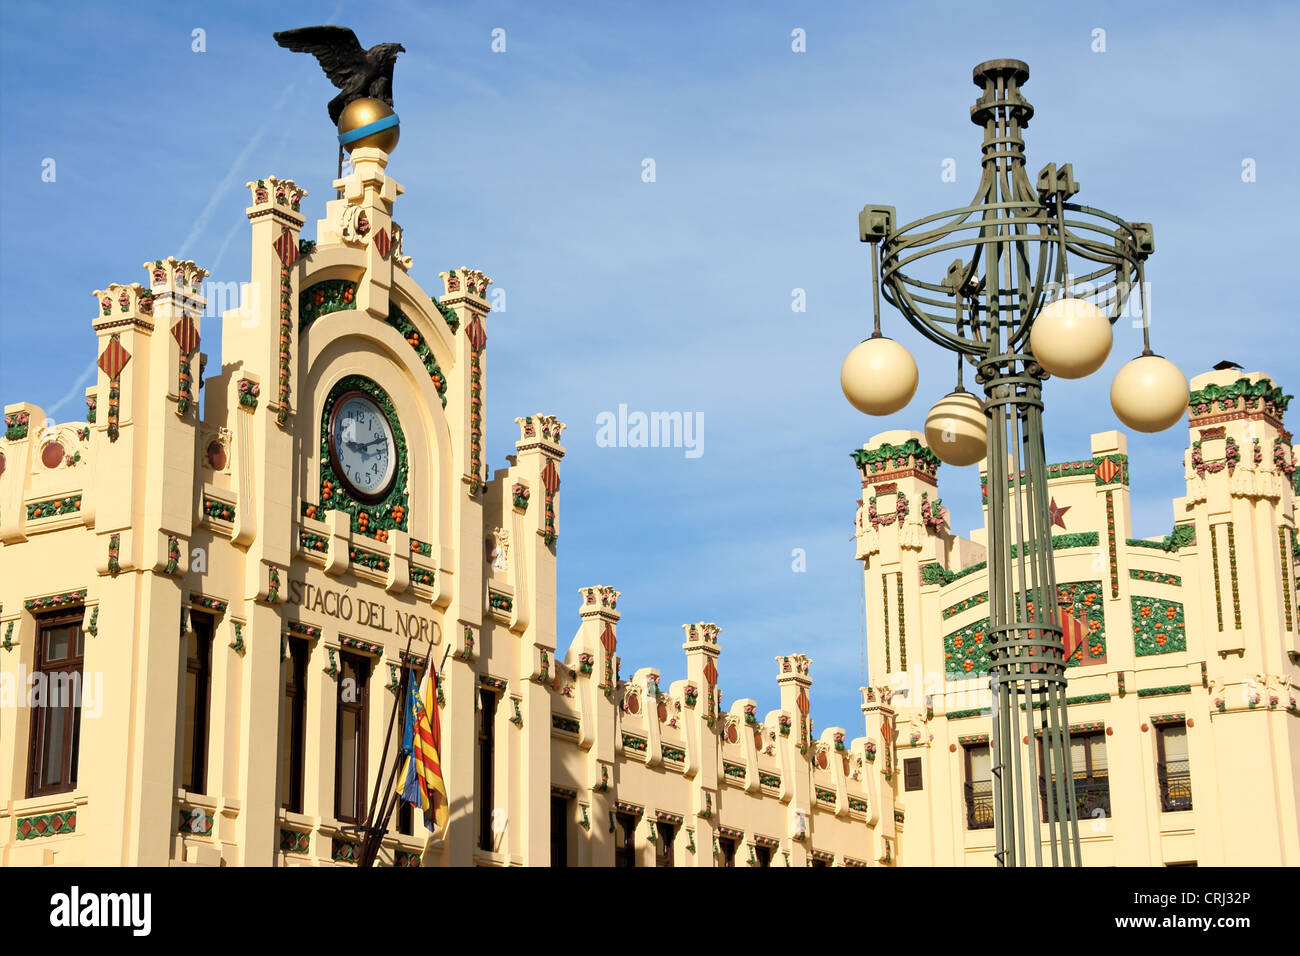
(355, 71)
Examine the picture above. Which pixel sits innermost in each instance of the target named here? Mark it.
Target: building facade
(211, 589)
(1183, 676)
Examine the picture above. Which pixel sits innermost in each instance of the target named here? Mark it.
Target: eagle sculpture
(355, 71)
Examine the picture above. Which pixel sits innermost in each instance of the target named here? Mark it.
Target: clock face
(362, 449)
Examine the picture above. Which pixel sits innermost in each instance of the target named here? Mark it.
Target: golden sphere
(879, 376)
(361, 113)
(1149, 394)
(956, 429)
(1071, 338)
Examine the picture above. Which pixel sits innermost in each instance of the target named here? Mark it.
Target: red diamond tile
(382, 243)
(550, 477)
(476, 334)
(186, 335)
(287, 248)
(114, 358)
(1106, 470)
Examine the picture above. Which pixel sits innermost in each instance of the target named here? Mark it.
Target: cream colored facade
(177, 502)
(1195, 635)
(162, 509)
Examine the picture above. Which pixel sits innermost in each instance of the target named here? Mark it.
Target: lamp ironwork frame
(1014, 243)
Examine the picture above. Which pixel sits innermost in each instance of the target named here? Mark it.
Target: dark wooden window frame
(487, 713)
(361, 665)
(727, 846)
(73, 664)
(1171, 801)
(665, 833)
(202, 627)
(913, 778)
(1091, 789)
(625, 854)
(561, 813)
(295, 695)
(973, 797)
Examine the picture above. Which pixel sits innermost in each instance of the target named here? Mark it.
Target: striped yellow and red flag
(421, 783)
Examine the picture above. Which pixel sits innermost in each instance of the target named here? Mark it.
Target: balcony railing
(1091, 795)
(1175, 778)
(979, 804)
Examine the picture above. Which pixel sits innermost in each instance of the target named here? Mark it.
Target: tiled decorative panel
(51, 824)
(1158, 626)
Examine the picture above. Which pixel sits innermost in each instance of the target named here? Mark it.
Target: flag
(421, 783)
(1072, 633)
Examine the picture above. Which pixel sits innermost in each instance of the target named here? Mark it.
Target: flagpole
(399, 699)
(377, 823)
(375, 833)
(369, 842)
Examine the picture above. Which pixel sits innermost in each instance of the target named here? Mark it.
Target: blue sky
(673, 295)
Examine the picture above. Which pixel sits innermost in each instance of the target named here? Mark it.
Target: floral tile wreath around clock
(364, 462)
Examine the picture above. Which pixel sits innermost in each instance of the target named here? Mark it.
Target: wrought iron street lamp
(1010, 307)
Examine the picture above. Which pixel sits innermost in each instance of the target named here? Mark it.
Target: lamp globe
(1149, 394)
(1071, 338)
(956, 429)
(879, 376)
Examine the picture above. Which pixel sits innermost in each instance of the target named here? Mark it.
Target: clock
(363, 452)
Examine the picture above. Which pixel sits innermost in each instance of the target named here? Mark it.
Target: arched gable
(335, 346)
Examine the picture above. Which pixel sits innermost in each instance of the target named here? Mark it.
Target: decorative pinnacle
(1002, 111)
(600, 599)
(538, 429)
(701, 633)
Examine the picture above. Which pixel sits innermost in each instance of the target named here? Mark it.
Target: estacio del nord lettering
(342, 606)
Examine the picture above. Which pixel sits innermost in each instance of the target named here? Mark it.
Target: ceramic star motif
(1058, 514)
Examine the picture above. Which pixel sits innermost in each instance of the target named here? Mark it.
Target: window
(487, 714)
(817, 862)
(56, 705)
(625, 847)
(978, 787)
(559, 831)
(912, 773)
(293, 726)
(350, 742)
(1091, 780)
(1173, 772)
(665, 832)
(198, 683)
(764, 855)
(728, 847)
